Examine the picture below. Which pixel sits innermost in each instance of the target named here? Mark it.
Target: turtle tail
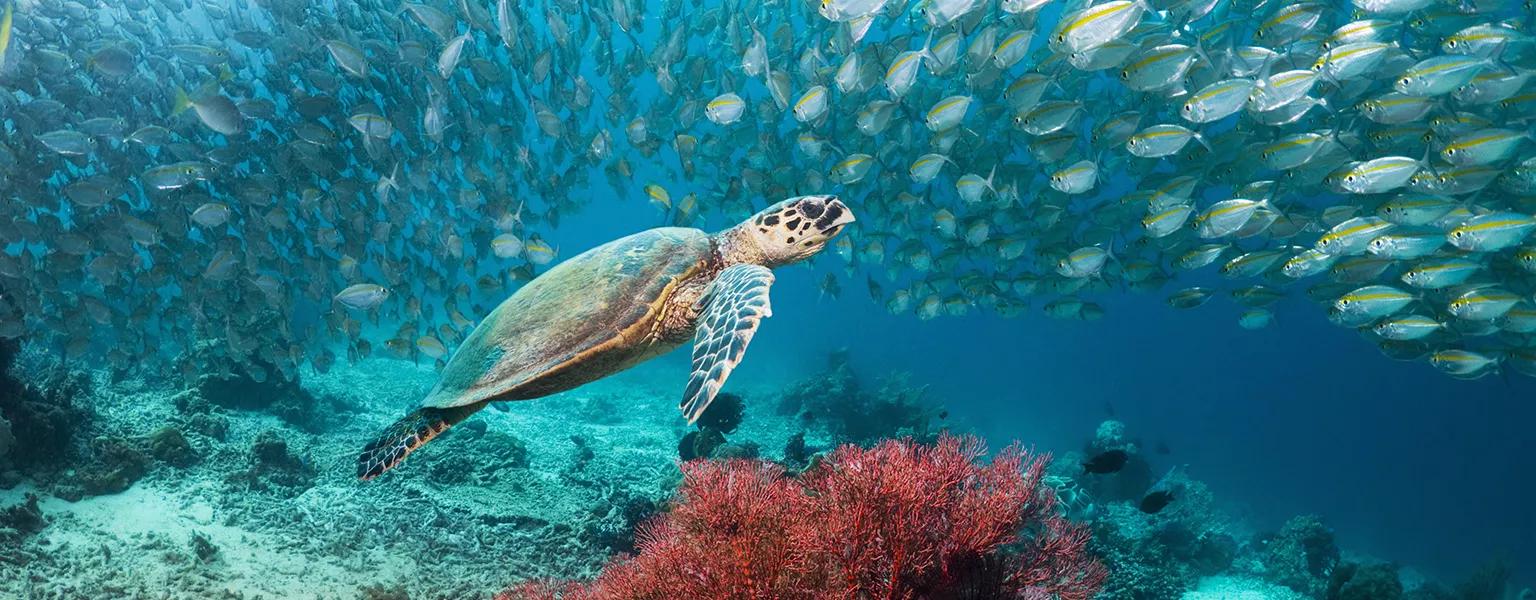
(406, 435)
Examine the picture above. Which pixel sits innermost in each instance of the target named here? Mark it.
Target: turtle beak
(846, 215)
(834, 215)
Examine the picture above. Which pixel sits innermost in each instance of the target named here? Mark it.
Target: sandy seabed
(546, 488)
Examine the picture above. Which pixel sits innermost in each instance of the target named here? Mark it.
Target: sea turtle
(617, 305)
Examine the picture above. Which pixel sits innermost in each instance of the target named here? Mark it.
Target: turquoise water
(242, 241)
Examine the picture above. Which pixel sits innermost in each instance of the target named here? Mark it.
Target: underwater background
(182, 419)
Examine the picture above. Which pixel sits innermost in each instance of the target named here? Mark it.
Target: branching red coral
(897, 521)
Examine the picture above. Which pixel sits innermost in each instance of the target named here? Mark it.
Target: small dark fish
(1154, 502)
(1109, 461)
(943, 414)
(1109, 409)
(1162, 448)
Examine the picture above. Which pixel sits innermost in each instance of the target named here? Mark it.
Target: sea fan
(897, 521)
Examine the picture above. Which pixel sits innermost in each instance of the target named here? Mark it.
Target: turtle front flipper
(406, 435)
(732, 307)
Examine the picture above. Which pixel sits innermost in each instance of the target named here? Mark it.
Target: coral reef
(168, 445)
(204, 499)
(836, 400)
(21, 520)
(900, 520)
(274, 467)
(1132, 480)
(1148, 556)
(483, 457)
(614, 521)
(724, 414)
(722, 417)
(1302, 555)
(1140, 566)
(700, 443)
(7, 439)
(796, 453)
(113, 466)
(1353, 581)
(1488, 582)
(9, 349)
(43, 414)
(285, 398)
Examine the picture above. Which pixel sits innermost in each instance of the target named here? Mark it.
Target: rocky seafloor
(232, 486)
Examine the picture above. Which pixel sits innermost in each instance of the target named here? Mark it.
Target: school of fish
(270, 185)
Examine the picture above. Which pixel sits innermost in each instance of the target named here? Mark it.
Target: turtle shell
(586, 318)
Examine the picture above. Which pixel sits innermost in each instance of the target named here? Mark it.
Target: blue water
(1404, 463)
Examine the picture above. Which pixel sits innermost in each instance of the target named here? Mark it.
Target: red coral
(898, 521)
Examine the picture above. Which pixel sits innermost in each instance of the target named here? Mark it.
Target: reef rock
(274, 467)
(21, 520)
(1352, 581)
(836, 399)
(483, 457)
(242, 390)
(113, 465)
(6, 438)
(724, 414)
(171, 447)
(1302, 556)
(43, 415)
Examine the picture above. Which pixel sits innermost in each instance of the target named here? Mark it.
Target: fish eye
(1450, 44)
(1126, 74)
(1405, 81)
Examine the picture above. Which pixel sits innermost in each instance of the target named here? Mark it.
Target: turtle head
(795, 229)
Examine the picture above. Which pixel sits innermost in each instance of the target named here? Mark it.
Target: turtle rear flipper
(406, 435)
(733, 305)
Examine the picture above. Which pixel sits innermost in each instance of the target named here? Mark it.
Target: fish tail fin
(182, 103)
(404, 436)
(1200, 138)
